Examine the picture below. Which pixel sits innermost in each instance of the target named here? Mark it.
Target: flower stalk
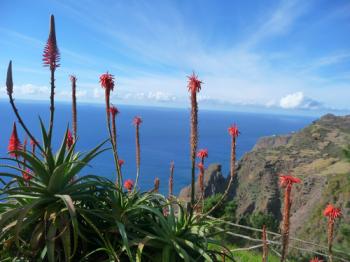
(202, 153)
(137, 122)
(171, 179)
(234, 133)
(120, 163)
(194, 86)
(286, 182)
(73, 80)
(114, 111)
(107, 82)
(9, 87)
(51, 59)
(156, 185)
(332, 213)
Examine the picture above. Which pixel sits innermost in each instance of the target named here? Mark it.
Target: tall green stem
(193, 142)
(138, 155)
(52, 104)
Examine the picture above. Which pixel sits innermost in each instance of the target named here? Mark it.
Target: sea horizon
(164, 136)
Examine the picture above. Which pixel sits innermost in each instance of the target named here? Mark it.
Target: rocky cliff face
(214, 183)
(314, 154)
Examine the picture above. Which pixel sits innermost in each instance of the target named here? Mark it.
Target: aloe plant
(46, 205)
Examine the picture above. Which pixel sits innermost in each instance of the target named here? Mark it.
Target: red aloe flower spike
(194, 86)
(114, 111)
(332, 213)
(70, 140)
(234, 133)
(73, 79)
(51, 56)
(27, 175)
(156, 184)
(137, 122)
(107, 82)
(286, 181)
(233, 130)
(129, 184)
(316, 259)
(121, 162)
(171, 179)
(202, 153)
(14, 143)
(265, 245)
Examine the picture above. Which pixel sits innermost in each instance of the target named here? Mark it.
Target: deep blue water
(164, 136)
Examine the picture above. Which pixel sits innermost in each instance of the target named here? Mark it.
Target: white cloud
(292, 100)
(161, 96)
(156, 96)
(27, 91)
(299, 101)
(98, 93)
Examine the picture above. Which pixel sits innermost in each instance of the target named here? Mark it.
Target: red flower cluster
(288, 180)
(332, 212)
(120, 162)
(316, 259)
(194, 84)
(129, 184)
(233, 130)
(113, 110)
(26, 175)
(51, 56)
(137, 120)
(202, 153)
(14, 144)
(107, 81)
(70, 139)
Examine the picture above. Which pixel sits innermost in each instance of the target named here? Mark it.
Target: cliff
(314, 154)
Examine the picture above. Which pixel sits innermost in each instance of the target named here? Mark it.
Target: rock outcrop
(314, 154)
(214, 183)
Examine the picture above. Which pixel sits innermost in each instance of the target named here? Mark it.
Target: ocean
(164, 136)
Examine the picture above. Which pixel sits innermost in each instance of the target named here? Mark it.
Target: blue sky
(267, 55)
